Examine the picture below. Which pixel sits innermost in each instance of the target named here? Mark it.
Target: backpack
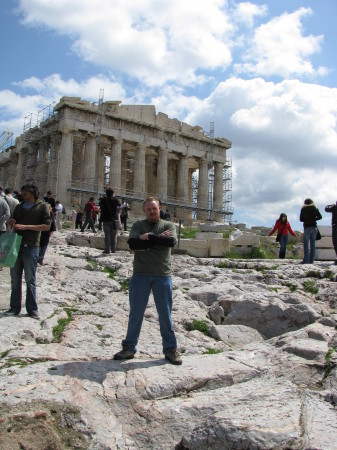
(64, 211)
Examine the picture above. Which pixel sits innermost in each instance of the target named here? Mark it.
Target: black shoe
(34, 315)
(11, 312)
(124, 354)
(174, 357)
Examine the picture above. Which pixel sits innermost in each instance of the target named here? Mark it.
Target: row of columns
(56, 160)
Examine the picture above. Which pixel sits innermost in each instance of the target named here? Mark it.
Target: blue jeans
(140, 288)
(283, 246)
(110, 236)
(309, 236)
(27, 262)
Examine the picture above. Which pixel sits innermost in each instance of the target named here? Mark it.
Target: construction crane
(5, 139)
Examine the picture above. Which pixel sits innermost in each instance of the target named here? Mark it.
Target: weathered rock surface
(259, 357)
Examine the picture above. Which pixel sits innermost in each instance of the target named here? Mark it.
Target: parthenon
(82, 147)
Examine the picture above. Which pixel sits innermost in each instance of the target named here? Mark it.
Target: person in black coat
(309, 216)
(109, 206)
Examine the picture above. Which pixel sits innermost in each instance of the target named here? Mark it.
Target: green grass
(211, 351)
(61, 325)
(292, 287)
(110, 271)
(310, 286)
(188, 232)
(199, 325)
(125, 284)
(328, 364)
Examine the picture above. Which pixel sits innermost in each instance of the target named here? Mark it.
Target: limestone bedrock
(258, 349)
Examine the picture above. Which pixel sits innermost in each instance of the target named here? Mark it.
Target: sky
(264, 72)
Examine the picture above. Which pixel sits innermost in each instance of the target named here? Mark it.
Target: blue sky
(263, 71)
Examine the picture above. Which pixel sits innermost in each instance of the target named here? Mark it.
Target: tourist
(333, 209)
(167, 215)
(309, 215)
(58, 214)
(50, 199)
(109, 205)
(283, 229)
(45, 237)
(79, 217)
(12, 202)
(29, 218)
(88, 210)
(124, 214)
(151, 241)
(4, 213)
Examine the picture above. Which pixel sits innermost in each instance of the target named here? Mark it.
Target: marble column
(182, 187)
(182, 181)
(218, 190)
(89, 166)
(162, 174)
(53, 154)
(100, 169)
(203, 189)
(139, 177)
(65, 167)
(21, 167)
(42, 167)
(116, 165)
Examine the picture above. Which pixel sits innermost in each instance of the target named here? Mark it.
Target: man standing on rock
(29, 218)
(151, 241)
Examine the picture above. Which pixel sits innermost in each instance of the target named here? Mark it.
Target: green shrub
(61, 325)
(309, 286)
(188, 232)
(110, 271)
(211, 351)
(200, 325)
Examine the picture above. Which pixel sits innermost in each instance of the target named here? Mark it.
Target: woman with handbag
(309, 216)
(283, 229)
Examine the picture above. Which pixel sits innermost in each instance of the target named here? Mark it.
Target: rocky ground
(258, 341)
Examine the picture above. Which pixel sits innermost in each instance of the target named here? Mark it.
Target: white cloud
(43, 92)
(246, 12)
(279, 47)
(284, 139)
(152, 40)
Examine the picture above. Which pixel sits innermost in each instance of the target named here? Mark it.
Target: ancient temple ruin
(81, 147)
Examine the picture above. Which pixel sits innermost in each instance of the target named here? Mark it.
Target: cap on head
(308, 201)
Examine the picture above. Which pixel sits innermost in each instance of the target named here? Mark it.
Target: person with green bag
(29, 218)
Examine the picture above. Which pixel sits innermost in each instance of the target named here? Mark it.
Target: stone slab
(208, 235)
(195, 248)
(325, 254)
(246, 239)
(325, 230)
(218, 248)
(325, 242)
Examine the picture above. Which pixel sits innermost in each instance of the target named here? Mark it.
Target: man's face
(28, 196)
(152, 211)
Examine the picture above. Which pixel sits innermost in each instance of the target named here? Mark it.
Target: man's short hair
(151, 199)
(8, 191)
(92, 198)
(109, 191)
(30, 187)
